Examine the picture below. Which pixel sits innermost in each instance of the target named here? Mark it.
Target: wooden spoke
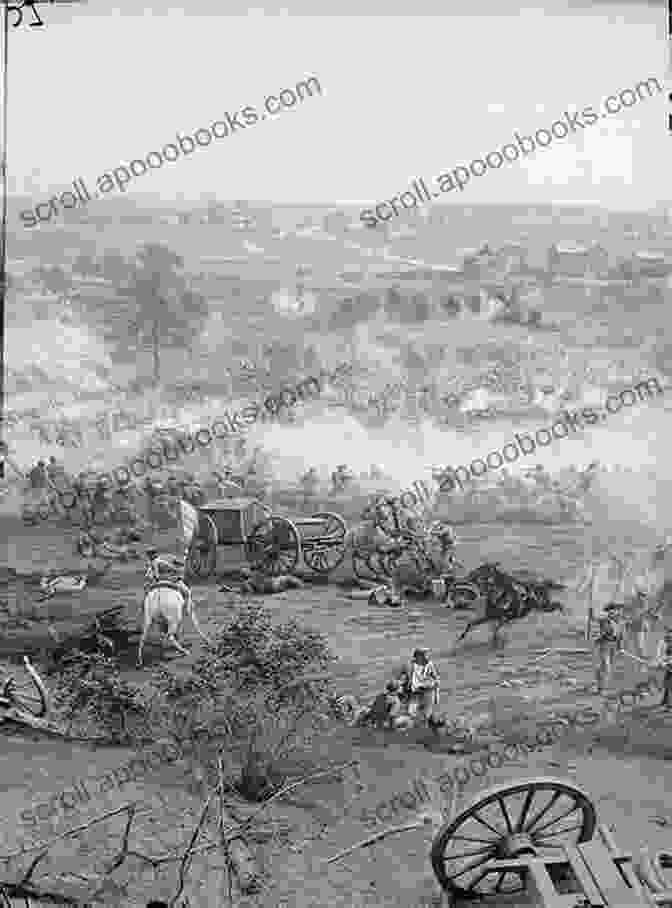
(529, 797)
(497, 832)
(470, 854)
(506, 815)
(469, 867)
(501, 879)
(564, 831)
(556, 797)
(564, 816)
(466, 838)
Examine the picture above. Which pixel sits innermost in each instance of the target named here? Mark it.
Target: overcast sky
(404, 95)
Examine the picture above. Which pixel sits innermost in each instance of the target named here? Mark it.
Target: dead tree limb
(188, 854)
(375, 838)
(287, 788)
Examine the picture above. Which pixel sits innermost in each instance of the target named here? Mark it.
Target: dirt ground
(620, 764)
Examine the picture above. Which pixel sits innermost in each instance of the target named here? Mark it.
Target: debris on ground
(109, 632)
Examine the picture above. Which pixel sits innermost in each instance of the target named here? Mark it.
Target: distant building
(242, 221)
(512, 257)
(449, 272)
(91, 280)
(351, 276)
(650, 264)
(417, 274)
(578, 261)
(335, 222)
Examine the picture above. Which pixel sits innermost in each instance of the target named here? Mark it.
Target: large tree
(115, 268)
(349, 314)
(162, 311)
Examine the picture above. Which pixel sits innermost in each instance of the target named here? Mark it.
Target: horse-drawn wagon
(272, 543)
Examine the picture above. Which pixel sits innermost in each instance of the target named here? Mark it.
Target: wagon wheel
(202, 557)
(463, 595)
(328, 551)
(506, 822)
(273, 547)
(27, 693)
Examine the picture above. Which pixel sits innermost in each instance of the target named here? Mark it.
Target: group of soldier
(612, 629)
(409, 699)
(628, 618)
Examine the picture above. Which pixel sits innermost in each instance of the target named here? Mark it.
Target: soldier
(608, 642)
(385, 711)
(165, 571)
(424, 685)
(664, 660)
(310, 482)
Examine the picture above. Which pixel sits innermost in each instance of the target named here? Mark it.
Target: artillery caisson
(537, 837)
(272, 543)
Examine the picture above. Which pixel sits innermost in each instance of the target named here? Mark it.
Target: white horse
(168, 604)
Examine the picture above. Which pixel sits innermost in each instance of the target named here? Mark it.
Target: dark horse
(509, 598)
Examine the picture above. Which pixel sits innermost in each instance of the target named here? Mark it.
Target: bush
(90, 689)
(259, 693)
(250, 652)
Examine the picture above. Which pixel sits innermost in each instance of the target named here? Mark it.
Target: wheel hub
(515, 846)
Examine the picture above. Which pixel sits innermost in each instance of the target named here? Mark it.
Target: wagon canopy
(188, 517)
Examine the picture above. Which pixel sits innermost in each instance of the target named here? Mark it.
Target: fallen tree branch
(287, 788)
(235, 848)
(227, 853)
(188, 854)
(375, 838)
(69, 832)
(119, 860)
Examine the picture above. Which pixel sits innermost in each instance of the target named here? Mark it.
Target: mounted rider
(166, 571)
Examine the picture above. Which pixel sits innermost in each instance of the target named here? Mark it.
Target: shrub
(90, 687)
(250, 652)
(260, 690)
(259, 693)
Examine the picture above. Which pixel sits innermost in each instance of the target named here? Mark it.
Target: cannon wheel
(202, 558)
(27, 693)
(274, 546)
(508, 821)
(325, 553)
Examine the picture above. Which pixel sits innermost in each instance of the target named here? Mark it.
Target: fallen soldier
(260, 584)
(386, 710)
(91, 545)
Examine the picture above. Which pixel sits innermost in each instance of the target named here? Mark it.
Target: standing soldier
(601, 586)
(664, 660)
(424, 685)
(608, 642)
